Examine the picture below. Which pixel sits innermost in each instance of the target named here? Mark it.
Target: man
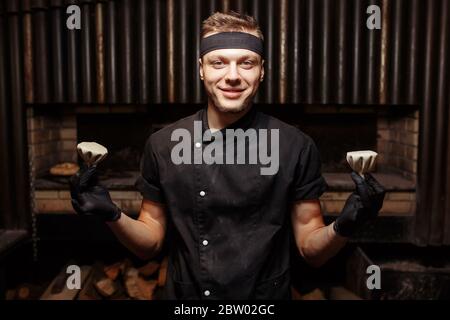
(228, 224)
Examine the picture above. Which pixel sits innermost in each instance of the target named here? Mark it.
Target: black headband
(231, 40)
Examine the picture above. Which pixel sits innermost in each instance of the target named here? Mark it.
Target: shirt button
(206, 293)
(198, 144)
(202, 193)
(205, 242)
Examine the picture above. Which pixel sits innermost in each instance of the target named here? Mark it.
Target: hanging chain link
(34, 237)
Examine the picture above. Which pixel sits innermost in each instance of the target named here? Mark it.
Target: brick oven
(395, 137)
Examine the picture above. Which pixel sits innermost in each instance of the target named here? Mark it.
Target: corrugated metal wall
(14, 187)
(317, 51)
(433, 218)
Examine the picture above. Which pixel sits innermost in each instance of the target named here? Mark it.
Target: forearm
(144, 239)
(322, 244)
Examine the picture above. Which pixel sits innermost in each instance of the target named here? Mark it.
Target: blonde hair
(230, 22)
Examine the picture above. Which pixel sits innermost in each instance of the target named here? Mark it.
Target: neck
(218, 120)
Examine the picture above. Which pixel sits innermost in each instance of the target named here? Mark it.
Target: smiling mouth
(231, 93)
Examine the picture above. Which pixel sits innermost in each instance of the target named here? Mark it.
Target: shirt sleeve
(309, 183)
(148, 182)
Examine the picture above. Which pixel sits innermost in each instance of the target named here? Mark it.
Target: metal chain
(34, 238)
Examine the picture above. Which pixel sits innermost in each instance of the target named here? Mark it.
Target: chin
(233, 107)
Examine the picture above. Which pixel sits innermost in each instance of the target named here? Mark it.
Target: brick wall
(395, 203)
(52, 139)
(397, 144)
(58, 201)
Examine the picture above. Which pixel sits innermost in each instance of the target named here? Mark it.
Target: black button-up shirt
(228, 225)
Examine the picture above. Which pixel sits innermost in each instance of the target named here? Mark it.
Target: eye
(247, 64)
(217, 64)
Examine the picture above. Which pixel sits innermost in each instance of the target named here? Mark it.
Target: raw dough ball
(92, 152)
(362, 161)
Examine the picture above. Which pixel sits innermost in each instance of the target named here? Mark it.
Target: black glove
(90, 198)
(361, 206)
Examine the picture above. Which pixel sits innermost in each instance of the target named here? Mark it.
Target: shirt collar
(247, 121)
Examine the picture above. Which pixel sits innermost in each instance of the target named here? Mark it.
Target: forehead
(231, 54)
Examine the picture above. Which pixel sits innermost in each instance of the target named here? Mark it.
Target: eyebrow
(240, 58)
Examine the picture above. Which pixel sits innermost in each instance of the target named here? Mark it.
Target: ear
(200, 64)
(261, 78)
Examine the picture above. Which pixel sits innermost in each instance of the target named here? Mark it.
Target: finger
(88, 177)
(75, 180)
(362, 188)
(356, 200)
(74, 185)
(356, 178)
(360, 181)
(99, 190)
(85, 203)
(376, 190)
(76, 207)
(379, 189)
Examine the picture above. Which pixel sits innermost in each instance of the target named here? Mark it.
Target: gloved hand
(361, 206)
(90, 198)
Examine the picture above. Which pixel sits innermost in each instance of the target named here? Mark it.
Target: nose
(232, 74)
